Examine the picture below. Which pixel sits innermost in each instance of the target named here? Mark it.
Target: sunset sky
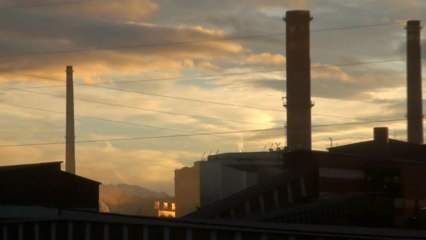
(160, 83)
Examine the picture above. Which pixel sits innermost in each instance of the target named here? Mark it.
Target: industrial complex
(366, 190)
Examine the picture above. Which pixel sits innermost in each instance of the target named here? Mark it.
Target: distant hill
(129, 199)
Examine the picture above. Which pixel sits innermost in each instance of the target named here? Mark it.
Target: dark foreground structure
(77, 225)
(44, 184)
(376, 183)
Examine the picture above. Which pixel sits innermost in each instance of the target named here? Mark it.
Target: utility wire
(359, 63)
(137, 108)
(206, 76)
(145, 138)
(359, 123)
(192, 134)
(357, 27)
(138, 46)
(219, 75)
(190, 99)
(165, 44)
(186, 99)
(171, 97)
(96, 118)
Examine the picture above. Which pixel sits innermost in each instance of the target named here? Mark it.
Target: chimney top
(413, 25)
(381, 142)
(297, 15)
(381, 134)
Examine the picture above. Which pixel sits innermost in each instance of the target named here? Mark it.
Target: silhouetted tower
(414, 84)
(70, 144)
(298, 100)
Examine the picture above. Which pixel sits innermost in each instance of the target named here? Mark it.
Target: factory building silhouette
(374, 183)
(365, 190)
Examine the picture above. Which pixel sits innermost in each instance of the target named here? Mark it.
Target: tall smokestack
(298, 102)
(414, 84)
(70, 144)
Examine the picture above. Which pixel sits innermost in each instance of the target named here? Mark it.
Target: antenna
(202, 157)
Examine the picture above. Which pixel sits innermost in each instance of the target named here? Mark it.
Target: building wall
(221, 176)
(412, 202)
(218, 181)
(187, 189)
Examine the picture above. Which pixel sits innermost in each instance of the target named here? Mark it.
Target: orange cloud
(125, 10)
(266, 58)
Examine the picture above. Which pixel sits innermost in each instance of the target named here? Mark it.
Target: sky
(159, 84)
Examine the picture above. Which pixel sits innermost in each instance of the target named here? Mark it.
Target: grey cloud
(89, 32)
(335, 88)
(357, 87)
(130, 10)
(278, 85)
(28, 32)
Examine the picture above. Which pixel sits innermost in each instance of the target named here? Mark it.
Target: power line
(359, 63)
(174, 97)
(220, 75)
(150, 45)
(138, 108)
(212, 102)
(165, 44)
(357, 27)
(96, 118)
(143, 138)
(192, 134)
(187, 99)
(206, 76)
(171, 97)
(359, 123)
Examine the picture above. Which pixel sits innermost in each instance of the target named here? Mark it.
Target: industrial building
(333, 188)
(44, 184)
(373, 183)
(222, 175)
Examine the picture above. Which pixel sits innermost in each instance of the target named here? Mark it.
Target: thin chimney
(298, 100)
(70, 144)
(414, 84)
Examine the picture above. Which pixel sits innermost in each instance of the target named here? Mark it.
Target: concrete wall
(221, 176)
(218, 181)
(187, 189)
